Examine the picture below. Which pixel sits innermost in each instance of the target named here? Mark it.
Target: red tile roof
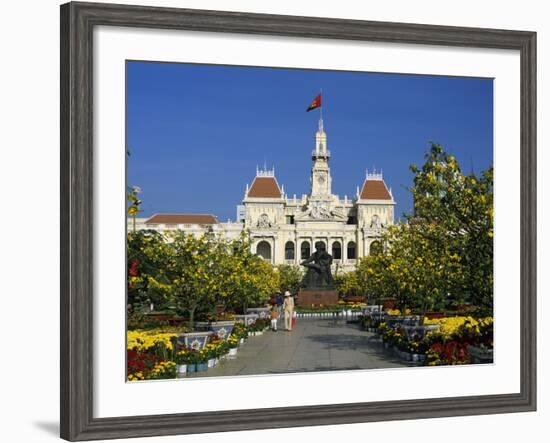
(375, 190)
(264, 187)
(185, 219)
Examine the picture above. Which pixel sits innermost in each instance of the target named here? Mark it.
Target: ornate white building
(285, 230)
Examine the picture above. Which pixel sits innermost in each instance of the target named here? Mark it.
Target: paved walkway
(313, 345)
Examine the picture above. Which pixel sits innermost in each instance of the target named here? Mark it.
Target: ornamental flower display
(447, 346)
(163, 370)
(434, 271)
(233, 342)
(147, 340)
(467, 325)
(138, 364)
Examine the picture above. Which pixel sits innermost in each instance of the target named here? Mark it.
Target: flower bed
(156, 354)
(450, 344)
(342, 309)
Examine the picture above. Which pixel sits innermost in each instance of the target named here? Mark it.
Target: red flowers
(137, 362)
(452, 352)
(133, 270)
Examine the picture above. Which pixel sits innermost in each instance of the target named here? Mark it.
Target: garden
(191, 301)
(433, 340)
(426, 288)
(168, 353)
(430, 282)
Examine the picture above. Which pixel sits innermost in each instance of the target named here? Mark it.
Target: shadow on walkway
(364, 342)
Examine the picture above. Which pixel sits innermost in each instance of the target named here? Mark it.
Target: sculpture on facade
(263, 221)
(376, 222)
(321, 210)
(318, 274)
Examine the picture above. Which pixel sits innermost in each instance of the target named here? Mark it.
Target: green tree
(253, 280)
(290, 277)
(347, 283)
(187, 277)
(461, 206)
(144, 259)
(442, 256)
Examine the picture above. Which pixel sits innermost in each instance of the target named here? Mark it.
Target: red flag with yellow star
(316, 103)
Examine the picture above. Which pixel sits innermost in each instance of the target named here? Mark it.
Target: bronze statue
(318, 275)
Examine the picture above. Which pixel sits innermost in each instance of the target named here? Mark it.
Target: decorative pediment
(264, 222)
(319, 210)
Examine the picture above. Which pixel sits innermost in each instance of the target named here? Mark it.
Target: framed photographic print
(345, 207)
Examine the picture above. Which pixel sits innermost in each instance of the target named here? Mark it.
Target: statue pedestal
(308, 297)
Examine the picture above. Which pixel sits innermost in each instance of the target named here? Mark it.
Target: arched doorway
(305, 250)
(289, 250)
(337, 250)
(264, 250)
(352, 251)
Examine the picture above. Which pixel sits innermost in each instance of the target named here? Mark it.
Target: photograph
(285, 220)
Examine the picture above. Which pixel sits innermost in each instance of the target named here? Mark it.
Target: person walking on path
(288, 307)
(274, 317)
(279, 300)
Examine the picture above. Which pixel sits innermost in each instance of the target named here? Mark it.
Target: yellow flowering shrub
(143, 340)
(163, 369)
(451, 325)
(136, 377)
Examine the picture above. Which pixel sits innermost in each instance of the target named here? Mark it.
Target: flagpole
(321, 94)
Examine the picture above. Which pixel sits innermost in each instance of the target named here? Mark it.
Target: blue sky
(197, 132)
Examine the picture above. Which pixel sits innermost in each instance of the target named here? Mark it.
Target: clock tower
(320, 172)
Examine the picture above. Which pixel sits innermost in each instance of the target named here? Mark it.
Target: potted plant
(241, 332)
(182, 361)
(211, 351)
(202, 360)
(233, 343)
(192, 360)
(163, 370)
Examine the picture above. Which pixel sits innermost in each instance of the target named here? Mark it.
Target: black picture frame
(77, 23)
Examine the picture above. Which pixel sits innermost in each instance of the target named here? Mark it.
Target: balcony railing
(326, 153)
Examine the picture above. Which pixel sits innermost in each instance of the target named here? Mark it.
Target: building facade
(284, 230)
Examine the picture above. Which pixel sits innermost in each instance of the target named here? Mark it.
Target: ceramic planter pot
(222, 329)
(211, 362)
(480, 355)
(247, 319)
(182, 370)
(232, 352)
(191, 368)
(261, 312)
(202, 325)
(202, 367)
(196, 340)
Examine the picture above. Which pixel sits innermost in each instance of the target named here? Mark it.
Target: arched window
(336, 250)
(289, 250)
(352, 251)
(305, 250)
(264, 250)
(375, 248)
